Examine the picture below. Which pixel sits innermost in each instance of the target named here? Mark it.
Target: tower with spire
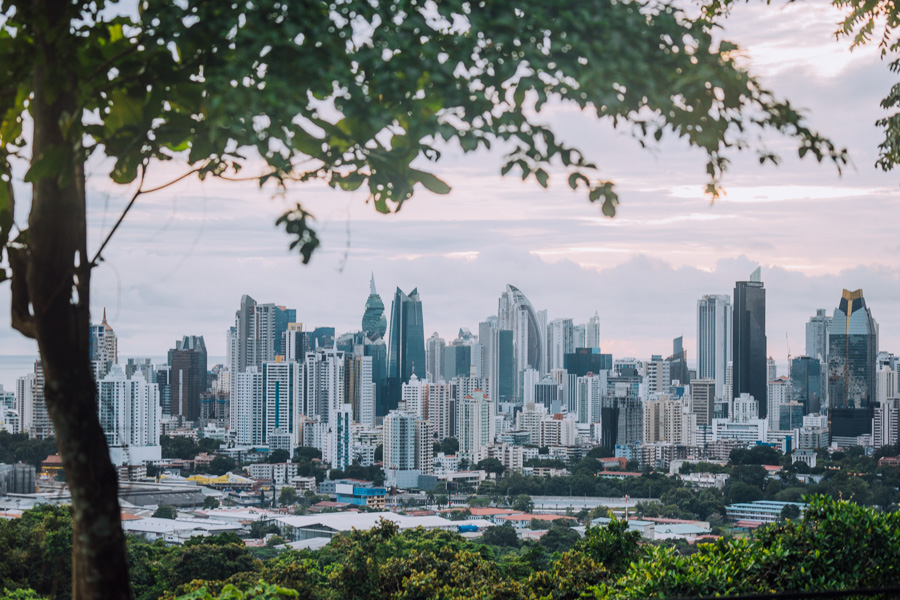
(374, 323)
(104, 347)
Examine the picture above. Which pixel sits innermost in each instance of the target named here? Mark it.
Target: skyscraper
(374, 324)
(807, 383)
(434, 357)
(516, 313)
(678, 367)
(406, 351)
(714, 339)
(817, 335)
(592, 332)
(560, 341)
(188, 376)
(104, 347)
(852, 348)
(130, 413)
(749, 343)
(258, 335)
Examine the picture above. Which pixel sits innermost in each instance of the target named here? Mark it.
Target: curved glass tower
(374, 323)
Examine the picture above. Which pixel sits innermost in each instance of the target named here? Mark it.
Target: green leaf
(542, 177)
(125, 110)
(431, 182)
(49, 164)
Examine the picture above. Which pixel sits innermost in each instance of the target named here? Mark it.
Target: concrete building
(714, 339)
(130, 414)
(475, 424)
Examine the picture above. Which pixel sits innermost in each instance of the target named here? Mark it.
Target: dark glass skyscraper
(749, 341)
(188, 377)
(406, 351)
(852, 348)
(587, 360)
(807, 383)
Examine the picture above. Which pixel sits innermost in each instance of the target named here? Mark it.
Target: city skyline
(667, 242)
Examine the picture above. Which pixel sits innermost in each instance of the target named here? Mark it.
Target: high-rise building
(338, 438)
(886, 423)
(560, 341)
(25, 402)
(248, 407)
(664, 421)
(714, 339)
(407, 445)
(771, 369)
(516, 313)
(749, 342)
(282, 387)
(475, 424)
(374, 323)
(589, 391)
(817, 336)
(406, 351)
(434, 357)
(104, 348)
(130, 415)
(592, 332)
(378, 352)
(500, 366)
(587, 360)
(187, 376)
(852, 348)
(296, 343)
(678, 367)
(703, 395)
(363, 391)
(657, 378)
(258, 335)
(457, 361)
(323, 381)
(807, 383)
(41, 425)
(778, 392)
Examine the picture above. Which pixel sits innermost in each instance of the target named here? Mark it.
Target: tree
(288, 496)
(790, 512)
(450, 446)
(523, 502)
(165, 511)
(221, 465)
(491, 465)
(502, 535)
(559, 539)
(210, 502)
(220, 86)
(278, 456)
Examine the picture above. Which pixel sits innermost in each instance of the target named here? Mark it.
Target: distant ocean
(14, 366)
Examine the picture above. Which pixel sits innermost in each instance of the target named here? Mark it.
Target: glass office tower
(749, 341)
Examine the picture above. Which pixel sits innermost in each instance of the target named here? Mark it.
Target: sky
(184, 256)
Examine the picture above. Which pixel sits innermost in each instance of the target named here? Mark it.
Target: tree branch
(22, 319)
(131, 202)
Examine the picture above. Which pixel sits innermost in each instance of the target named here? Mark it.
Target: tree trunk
(58, 287)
